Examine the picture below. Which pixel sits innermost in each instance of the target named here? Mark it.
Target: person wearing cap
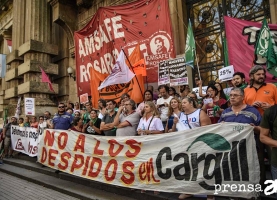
(7, 137)
(260, 95)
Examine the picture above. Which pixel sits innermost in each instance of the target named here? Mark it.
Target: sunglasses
(61, 107)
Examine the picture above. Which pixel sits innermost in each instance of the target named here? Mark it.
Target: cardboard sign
(226, 73)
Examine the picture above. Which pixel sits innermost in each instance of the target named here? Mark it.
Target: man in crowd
(240, 112)
(239, 80)
(261, 95)
(268, 136)
(47, 118)
(61, 120)
(126, 119)
(163, 102)
(107, 125)
(8, 152)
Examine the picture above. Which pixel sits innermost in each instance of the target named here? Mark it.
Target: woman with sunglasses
(93, 126)
(174, 108)
(191, 117)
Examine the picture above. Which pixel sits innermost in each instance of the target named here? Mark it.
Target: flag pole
(133, 72)
(197, 65)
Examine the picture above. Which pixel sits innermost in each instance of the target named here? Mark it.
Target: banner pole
(133, 72)
(197, 65)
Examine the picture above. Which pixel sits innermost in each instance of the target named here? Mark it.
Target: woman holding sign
(191, 117)
(212, 104)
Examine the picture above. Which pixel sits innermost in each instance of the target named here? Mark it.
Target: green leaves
(215, 141)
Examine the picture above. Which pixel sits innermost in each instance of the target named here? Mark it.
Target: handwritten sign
(226, 73)
(196, 90)
(29, 106)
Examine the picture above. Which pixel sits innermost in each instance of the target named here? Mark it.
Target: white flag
(120, 73)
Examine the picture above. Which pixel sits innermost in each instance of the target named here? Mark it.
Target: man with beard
(163, 102)
(7, 137)
(239, 80)
(107, 125)
(61, 120)
(161, 49)
(127, 119)
(261, 95)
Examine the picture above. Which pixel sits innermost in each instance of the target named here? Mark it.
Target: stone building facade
(42, 36)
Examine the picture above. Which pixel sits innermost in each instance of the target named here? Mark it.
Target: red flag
(45, 79)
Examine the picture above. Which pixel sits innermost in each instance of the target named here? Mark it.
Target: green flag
(266, 47)
(190, 46)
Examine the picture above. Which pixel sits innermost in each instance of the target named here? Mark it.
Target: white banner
(195, 161)
(26, 139)
(29, 106)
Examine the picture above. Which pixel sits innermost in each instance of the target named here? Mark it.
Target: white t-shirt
(156, 124)
(164, 110)
(192, 119)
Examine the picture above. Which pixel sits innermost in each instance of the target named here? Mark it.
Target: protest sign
(226, 73)
(177, 71)
(84, 98)
(190, 161)
(196, 90)
(163, 73)
(29, 106)
(26, 139)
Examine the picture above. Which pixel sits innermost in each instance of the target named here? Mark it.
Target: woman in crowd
(41, 123)
(221, 93)
(76, 107)
(27, 122)
(34, 122)
(193, 96)
(93, 126)
(148, 96)
(21, 122)
(213, 109)
(150, 123)
(172, 91)
(77, 124)
(77, 114)
(200, 118)
(174, 108)
(102, 108)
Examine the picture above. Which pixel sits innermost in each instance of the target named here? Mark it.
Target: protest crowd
(168, 111)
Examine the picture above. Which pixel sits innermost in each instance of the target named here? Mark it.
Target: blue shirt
(62, 122)
(247, 115)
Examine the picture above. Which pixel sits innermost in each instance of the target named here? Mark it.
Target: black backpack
(272, 116)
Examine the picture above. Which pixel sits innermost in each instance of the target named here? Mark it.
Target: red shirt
(210, 111)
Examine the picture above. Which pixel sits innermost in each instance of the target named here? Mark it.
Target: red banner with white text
(241, 37)
(98, 44)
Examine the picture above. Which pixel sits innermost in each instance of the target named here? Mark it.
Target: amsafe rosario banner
(98, 44)
(242, 37)
(190, 161)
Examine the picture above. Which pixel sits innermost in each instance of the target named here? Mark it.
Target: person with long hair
(148, 96)
(214, 109)
(172, 91)
(77, 124)
(150, 123)
(221, 93)
(174, 108)
(93, 126)
(191, 117)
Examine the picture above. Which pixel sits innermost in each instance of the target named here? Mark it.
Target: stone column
(32, 47)
(179, 23)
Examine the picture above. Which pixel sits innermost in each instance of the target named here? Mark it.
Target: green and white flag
(267, 48)
(190, 46)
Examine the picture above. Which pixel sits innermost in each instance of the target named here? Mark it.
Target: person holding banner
(61, 120)
(174, 108)
(191, 117)
(7, 137)
(107, 125)
(77, 125)
(212, 105)
(150, 123)
(127, 119)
